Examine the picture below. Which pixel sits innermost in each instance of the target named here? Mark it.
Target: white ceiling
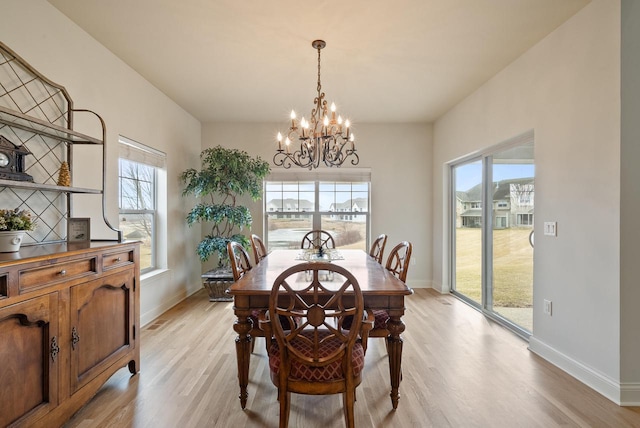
(252, 60)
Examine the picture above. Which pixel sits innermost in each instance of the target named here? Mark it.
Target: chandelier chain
(319, 85)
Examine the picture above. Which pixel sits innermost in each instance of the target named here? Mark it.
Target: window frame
(132, 151)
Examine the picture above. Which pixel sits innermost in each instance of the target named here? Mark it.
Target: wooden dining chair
(398, 265)
(259, 250)
(317, 239)
(240, 265)
(319, 356)
(239, 259)
(377, 248)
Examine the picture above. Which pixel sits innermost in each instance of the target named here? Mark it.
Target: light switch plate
(550, 228)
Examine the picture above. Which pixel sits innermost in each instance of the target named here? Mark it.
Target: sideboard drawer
(44, 276)
(114, 260)
(4, 285)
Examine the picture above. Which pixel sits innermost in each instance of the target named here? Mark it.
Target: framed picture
(79, 230)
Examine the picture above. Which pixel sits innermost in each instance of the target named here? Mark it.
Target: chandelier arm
(356, 160)
(286, 160)
(306, 156)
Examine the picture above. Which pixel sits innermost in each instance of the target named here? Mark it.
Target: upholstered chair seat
(380, 318)
(331, 372)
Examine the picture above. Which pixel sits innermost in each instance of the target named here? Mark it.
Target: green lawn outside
(513, 266)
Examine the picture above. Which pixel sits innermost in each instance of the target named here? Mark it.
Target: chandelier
(324, 137)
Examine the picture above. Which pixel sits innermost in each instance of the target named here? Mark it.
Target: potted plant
(225, 175)
(13, 224)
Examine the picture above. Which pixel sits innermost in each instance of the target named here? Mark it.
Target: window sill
(152, 274)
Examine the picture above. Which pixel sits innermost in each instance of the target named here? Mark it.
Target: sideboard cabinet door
(29, 359)
(102, 325)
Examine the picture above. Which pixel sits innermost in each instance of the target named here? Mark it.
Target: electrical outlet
(547, 307)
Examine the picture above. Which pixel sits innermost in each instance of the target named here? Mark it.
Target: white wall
(130, 106)
(398, 155)
(630, 204)
(566, 88)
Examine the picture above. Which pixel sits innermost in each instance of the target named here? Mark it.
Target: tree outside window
(137, 204)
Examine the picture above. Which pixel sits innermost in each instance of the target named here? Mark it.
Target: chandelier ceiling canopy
(325, 137)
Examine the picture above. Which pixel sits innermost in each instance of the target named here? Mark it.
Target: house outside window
(513, 201)
(138, 168)
(525, 220)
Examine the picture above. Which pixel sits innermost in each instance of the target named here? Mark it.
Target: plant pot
(10, 240)
(217, 281)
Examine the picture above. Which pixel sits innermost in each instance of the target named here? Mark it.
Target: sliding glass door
(492, 203)
(468, 230)
(511, 282)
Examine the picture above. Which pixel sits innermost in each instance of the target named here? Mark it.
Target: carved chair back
(259, 250)
(239, 258)
(317, 239)
(398, 261)
(377, 248)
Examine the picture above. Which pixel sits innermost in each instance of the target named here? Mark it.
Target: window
(335, 202)
(525, 219)
(138, 173)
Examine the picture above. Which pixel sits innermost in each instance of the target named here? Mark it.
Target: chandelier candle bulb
(279, 141)
(322, 138)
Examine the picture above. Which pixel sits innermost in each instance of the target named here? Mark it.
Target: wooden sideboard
(69, 319)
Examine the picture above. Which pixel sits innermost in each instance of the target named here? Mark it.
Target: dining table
(380, 289)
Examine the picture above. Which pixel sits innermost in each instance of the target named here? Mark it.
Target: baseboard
(422, 283)
(630, 394)
(439, 287)
(162, 280)
(590, 377)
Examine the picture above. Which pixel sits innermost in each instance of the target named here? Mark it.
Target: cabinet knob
(55, 349)
(75, 338)
(63, 272)
(117, 259)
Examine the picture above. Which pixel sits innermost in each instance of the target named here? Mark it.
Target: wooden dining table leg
(242, 326)
(395, 326)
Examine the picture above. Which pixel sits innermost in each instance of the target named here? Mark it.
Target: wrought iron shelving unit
(38, 114)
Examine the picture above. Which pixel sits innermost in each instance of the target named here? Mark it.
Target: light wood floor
(460, 370)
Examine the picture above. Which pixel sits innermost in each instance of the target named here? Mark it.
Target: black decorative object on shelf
(12, 161)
